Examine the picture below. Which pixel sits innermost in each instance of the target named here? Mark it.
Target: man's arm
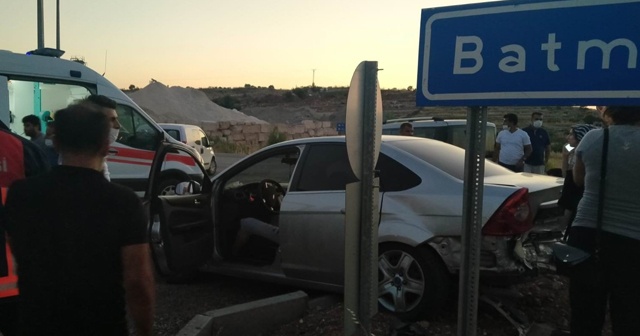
(547, 154)
(139, 286)
(496, 152)
(527, 153)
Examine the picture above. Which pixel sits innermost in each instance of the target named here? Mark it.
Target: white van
(195, 137)
(41, 85)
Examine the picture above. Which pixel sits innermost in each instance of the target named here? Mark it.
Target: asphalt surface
(224, 160)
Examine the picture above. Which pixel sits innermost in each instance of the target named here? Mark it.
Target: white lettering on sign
(475, 54)
(517, 62)
(606, 48)
(512, 64)
(551, 46)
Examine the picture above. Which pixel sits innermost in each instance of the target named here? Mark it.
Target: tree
(132, 87)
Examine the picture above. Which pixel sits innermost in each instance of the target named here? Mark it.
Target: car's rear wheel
(412, 282)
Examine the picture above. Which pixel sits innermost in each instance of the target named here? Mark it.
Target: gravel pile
(184, 106)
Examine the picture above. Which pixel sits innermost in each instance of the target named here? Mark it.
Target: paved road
(224, 160)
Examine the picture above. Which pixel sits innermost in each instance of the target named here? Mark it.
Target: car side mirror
(188, 188)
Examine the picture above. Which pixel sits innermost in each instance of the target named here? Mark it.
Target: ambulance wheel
(167, 186)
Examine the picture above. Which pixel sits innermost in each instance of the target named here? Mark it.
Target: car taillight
(512, 218)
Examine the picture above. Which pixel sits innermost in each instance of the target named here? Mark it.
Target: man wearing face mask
(513, 145)
(108, 107)
(540, 146)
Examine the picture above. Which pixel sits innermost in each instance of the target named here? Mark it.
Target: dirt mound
(184, 106)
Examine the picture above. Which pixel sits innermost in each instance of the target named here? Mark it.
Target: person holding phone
(571, 193)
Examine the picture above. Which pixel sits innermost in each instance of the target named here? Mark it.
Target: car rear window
(447, 158)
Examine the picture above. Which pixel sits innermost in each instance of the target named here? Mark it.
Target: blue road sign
(568, 52)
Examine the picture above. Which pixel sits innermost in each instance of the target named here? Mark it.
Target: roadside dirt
(543, 301)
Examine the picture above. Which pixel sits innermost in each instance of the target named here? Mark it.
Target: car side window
(394, 176)
(135, 131)
(204, 139)
(278, 167)
(326, 167)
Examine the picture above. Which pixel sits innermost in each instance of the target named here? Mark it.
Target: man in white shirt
(513, 145)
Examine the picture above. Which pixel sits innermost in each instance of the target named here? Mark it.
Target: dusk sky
(202, 43)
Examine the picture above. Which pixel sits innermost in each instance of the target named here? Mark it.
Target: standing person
(614, 279)
(572, 193)
(540, 146)
(33, 130)
(108, 107)
(406, 129)
(50, 152)
(80, 242)
(19, 158)
(513, 145)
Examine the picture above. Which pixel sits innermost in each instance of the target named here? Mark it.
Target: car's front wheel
(412, 282)
(213, 166)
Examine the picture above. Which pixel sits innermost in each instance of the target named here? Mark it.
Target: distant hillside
(329, 104)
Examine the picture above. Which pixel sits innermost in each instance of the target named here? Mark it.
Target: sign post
(566, 52)
(521, 52)
(363, 137)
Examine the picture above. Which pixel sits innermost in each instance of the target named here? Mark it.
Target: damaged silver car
(297, 188)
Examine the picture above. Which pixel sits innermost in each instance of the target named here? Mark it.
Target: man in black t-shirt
(79, 241)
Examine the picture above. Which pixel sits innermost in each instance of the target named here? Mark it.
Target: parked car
(299, 185)
(195, 137)
(452, 131)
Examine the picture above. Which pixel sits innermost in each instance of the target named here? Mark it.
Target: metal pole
(313, 78)
(472, 221)
(40, 24)
(369, 226)
(58, 24)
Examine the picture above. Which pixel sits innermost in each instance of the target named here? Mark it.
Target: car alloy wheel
(412, 282)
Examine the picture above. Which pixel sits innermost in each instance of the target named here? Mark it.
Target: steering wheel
(270, 193)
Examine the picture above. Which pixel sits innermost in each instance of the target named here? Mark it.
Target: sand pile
(184, 106)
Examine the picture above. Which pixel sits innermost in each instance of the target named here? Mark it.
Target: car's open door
(181, 229)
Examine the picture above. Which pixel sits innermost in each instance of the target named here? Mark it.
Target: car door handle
(343, 211)
(197, 201)
(112, 151)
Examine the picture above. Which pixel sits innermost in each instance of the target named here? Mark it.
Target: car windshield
(445, 157)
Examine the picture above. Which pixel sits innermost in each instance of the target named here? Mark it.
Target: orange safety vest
(9, 283)
(11, 169)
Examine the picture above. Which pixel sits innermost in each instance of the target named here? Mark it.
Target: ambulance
(41, 85)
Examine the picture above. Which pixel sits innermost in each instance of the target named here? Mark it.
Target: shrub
(228, 102)
(222, 145)
(276, 136)
(300, 92)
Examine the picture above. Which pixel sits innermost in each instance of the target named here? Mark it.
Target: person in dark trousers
(612, 280)
(50, 152)
(80, 241)
(540, 146)
(571, 193)
(513, 145)
(19, 158)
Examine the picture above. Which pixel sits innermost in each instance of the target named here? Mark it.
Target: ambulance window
(40, 99)
(135, 131)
